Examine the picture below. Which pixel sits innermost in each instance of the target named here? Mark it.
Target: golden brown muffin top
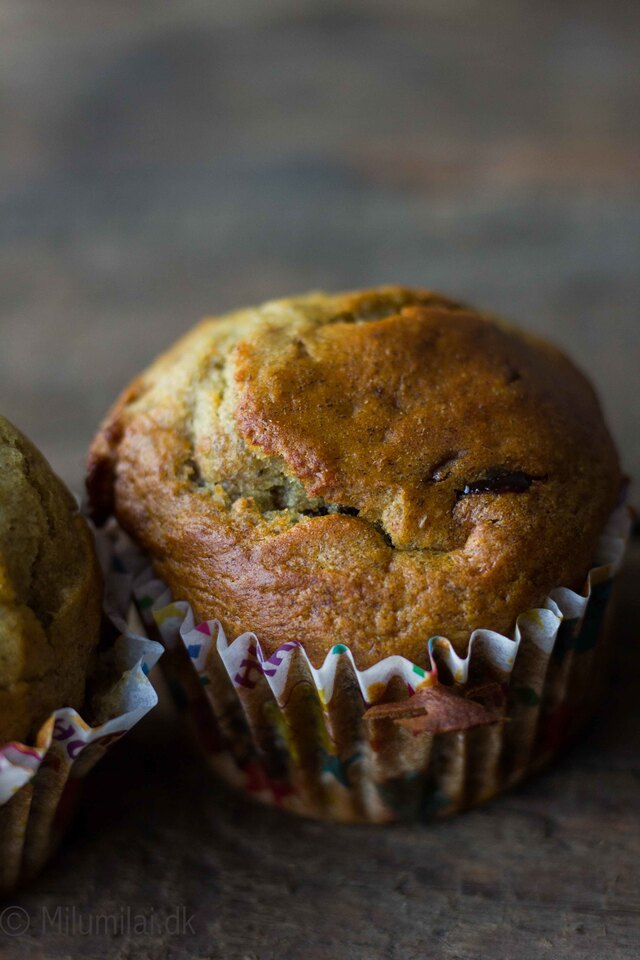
(50, 590)
(368, 468)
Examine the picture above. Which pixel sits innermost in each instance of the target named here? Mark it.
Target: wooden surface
(164, 160)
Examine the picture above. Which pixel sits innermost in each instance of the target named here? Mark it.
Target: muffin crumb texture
(371, 468)
(50, 591)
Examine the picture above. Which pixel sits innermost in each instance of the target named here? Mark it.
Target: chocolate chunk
(499, 480)
(434, 710)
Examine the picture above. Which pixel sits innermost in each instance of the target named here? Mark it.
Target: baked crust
(370, 468)
(50, 591)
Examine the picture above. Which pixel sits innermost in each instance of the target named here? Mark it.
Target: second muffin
(68, 689)
(50, 591)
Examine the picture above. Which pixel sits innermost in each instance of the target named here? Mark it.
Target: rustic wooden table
(160, 161)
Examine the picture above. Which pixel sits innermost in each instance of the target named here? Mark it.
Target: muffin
(372, 468)
(365, 470)
(50, 591)
(54, 659)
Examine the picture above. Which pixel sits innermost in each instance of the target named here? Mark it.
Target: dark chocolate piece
(498, 480)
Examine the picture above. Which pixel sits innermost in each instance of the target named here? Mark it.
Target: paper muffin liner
(39, 783)
(394, 741)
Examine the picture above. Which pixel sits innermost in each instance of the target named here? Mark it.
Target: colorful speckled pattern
(295, 736)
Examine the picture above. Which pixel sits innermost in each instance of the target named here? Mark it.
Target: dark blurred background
(164, 160)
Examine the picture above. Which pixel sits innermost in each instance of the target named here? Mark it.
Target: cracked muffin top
(50, 591)
(370, 468)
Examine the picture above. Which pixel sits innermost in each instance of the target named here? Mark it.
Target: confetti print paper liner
(39, 783)
(306, 739)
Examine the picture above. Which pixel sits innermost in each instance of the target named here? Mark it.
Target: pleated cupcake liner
(39, 782)
(317, 742)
